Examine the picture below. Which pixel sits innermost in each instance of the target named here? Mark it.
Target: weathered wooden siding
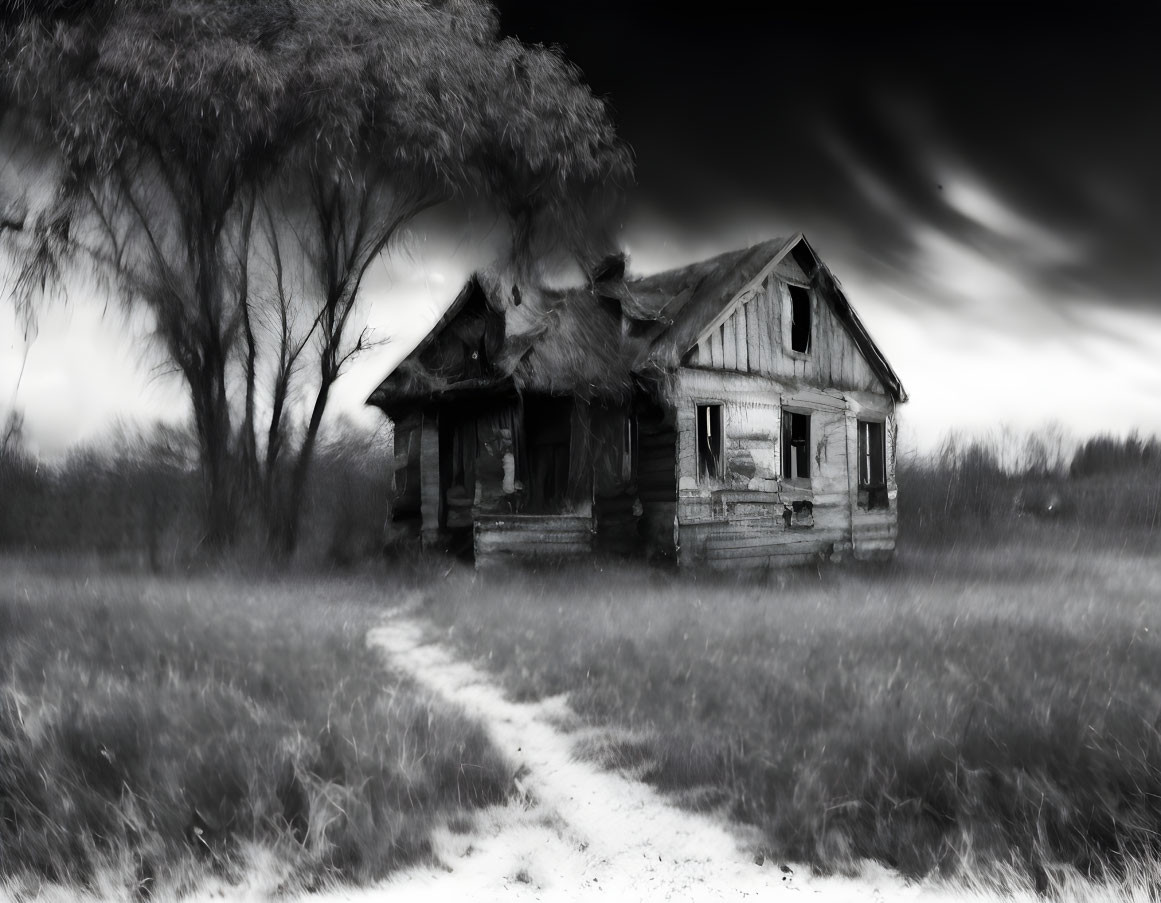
(744, 518)
(616, 508)
(755, 338)
(495, 460)
(874, 532)
(581, 456)
(741, 519)
(500, 537)
(405, 504)
(657, 480)
(429, 477)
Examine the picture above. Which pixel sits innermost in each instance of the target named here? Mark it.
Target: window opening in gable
(795, 445)
(872, 465)
(799, 319)
(709, 440)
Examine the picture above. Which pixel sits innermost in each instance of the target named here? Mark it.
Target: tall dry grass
(157, 730)
(972, 706)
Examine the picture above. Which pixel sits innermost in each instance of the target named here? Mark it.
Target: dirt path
(577, 832)
(581, 833)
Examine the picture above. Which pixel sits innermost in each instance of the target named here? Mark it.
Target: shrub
(137, 498)
(965, 492)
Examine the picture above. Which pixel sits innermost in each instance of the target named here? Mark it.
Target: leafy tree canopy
(227, 88)
(169, 122)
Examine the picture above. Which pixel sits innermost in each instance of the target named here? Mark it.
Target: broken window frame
(872, 451)
(796, 446)
(629, 449)
(708, 431)
(801, 318)
(798, 514)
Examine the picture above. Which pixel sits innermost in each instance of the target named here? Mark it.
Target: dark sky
(857, 124)
(982, 178)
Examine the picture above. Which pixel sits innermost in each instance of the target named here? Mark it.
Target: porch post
(429, 477)
(852, 437)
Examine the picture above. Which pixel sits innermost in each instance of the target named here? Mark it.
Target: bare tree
(160, 137)
(174, 123)
(507, 127)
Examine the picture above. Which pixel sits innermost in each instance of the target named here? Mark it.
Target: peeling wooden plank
(506, 542)
(753, 334)
(532, 536)
(879, 518)
(729, 346)
(765, 314)
(739, 321)
(718, 544)
(497, 557)
(549, 522)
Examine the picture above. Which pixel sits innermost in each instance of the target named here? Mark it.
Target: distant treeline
(1107, 454)
(140, 497)
(1107, 482)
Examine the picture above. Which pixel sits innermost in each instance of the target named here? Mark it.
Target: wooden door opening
(547, 441)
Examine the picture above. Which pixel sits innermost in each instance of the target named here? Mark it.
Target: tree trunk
(248, 441)
(272, 471)
(211, 405)
(298, 476)
(213, 429)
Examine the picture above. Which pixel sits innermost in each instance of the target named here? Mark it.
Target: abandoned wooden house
(732, 412)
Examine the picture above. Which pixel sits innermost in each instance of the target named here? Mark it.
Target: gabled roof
(595, 341)
(664, 295)
(569, 342)
(687, 302)
(684, 301)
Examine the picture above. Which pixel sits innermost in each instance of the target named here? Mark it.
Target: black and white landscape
(544, 451)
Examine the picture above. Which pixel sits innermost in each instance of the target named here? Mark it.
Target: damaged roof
(684, 301)
(597, 341)
(560, 342)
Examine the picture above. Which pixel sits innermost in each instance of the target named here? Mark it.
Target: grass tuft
(971, 705)
(157, 729)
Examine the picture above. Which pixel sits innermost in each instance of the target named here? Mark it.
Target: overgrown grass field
(971, 705)
(989, 700)
(154, 731)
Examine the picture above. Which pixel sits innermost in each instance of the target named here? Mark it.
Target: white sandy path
(582, 833)
(579, 833)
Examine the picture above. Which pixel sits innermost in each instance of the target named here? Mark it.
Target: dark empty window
(799, 319)
(709, 439)
(795, 445)
(457, 469)
(872, 465)
(547, 440)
